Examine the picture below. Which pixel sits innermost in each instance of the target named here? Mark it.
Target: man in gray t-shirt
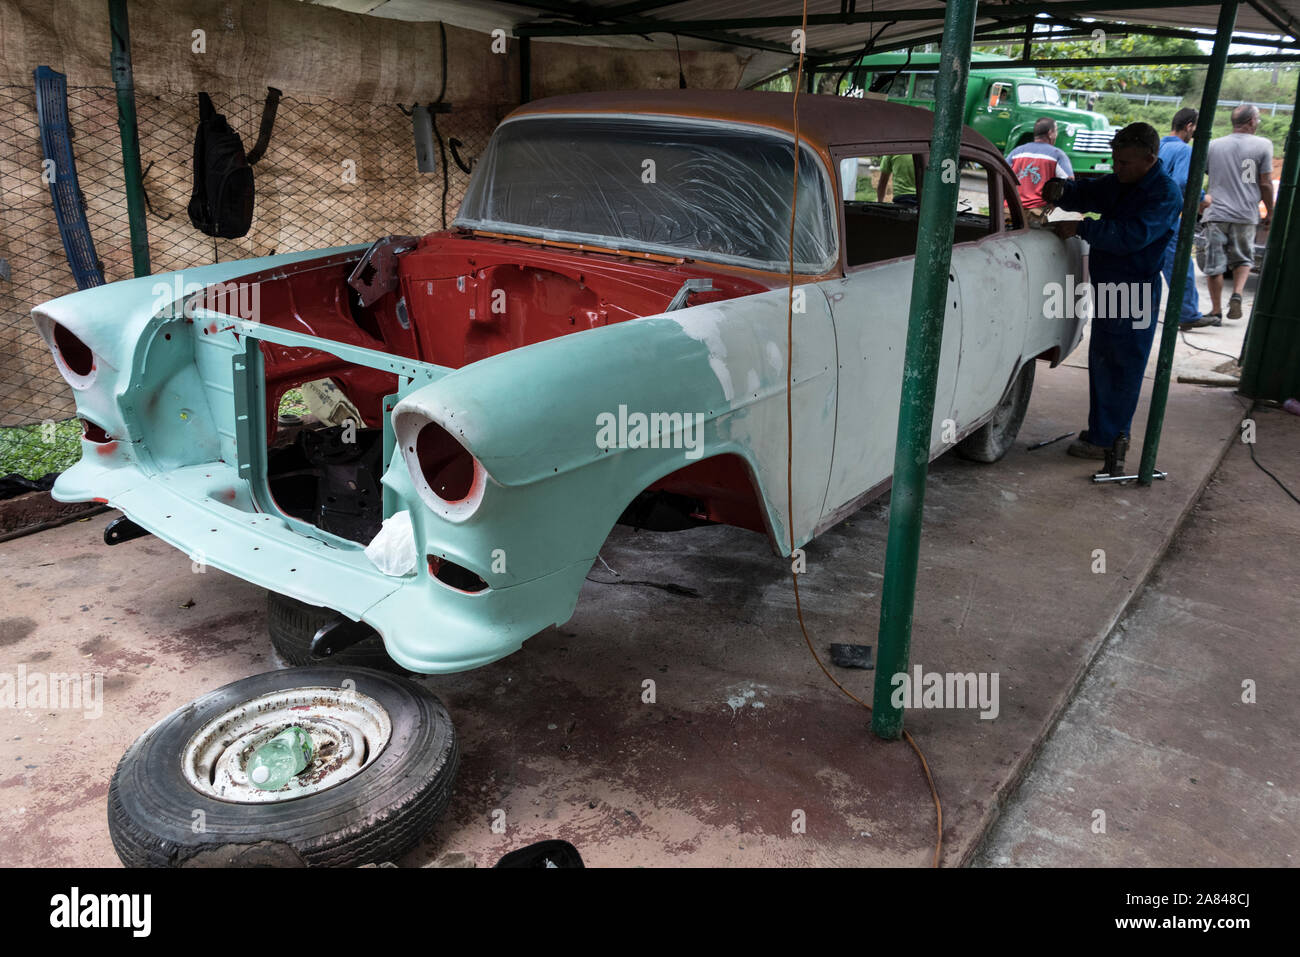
(1240, 167)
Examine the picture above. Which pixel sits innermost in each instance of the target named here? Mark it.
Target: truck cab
(1002, 104)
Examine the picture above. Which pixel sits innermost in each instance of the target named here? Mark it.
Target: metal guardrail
(1148, 98)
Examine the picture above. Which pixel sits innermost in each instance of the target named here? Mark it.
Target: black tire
(293, 624)
(995, 437)
(372, 817)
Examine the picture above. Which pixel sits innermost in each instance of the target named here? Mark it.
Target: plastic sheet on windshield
(672, 186)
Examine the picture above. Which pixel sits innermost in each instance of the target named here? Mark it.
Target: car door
(869, 307)
(993, 280)
(870, 310)
(994, 291)
(991, 114)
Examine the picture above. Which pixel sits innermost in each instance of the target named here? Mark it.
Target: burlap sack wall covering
(343, 77)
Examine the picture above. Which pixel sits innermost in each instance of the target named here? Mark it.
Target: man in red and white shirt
(1037, 162)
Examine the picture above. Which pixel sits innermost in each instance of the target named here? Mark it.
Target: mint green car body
(176, 387)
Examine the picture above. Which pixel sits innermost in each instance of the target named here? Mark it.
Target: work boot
(1234, 306)
(1209, 319)
(1114, 456)
(1081, 448)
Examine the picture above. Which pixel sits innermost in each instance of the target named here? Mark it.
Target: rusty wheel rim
(349, 730)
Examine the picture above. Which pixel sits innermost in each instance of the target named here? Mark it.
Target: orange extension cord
(789, 462)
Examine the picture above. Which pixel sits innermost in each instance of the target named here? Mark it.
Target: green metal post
(938, 213)
(1178, 282)
(125, 83)
(1270, 368)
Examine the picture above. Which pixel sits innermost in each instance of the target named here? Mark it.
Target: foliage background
(1264, 85)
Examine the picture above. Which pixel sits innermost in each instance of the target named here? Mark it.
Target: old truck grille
(1093, 141)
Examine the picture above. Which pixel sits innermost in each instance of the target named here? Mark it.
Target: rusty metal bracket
(338, 633)
(121, 530)
(683, 295)
(376, 273)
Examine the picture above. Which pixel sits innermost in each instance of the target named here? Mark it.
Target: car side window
(924, 88)
(1031, 93)
(982, 188)
(891, 84)
(999, 96)
(880, 195)
(975, 197)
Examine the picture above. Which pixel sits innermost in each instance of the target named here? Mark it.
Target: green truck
(1001, 103)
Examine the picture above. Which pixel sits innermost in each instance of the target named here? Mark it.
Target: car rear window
(697, 189)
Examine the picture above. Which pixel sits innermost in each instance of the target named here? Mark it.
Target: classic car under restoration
(600, 337)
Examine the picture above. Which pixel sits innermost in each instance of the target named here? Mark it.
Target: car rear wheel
(994, 438)
(385, 757)
(292, 625)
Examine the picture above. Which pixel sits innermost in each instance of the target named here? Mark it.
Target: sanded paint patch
(705, 325)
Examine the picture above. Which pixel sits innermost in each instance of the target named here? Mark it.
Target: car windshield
(1039, 93)
(687, 188)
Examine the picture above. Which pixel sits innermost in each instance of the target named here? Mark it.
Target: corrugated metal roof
(844, 37)
(1267, 17)
(732, 21)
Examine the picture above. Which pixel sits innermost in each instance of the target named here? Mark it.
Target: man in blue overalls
(1176, 156)
(1139, 206)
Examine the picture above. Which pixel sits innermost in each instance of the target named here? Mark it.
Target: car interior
(878, 228)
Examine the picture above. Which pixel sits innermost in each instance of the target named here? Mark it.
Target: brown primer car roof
(825, 121)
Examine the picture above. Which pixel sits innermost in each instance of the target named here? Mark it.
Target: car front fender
(715, 375)
(123, 394)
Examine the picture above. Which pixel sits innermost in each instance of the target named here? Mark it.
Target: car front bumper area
(428, 627)
(179, 400)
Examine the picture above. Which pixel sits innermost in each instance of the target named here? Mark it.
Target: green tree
(781, 83)
(1274, 83)
(1169, 79)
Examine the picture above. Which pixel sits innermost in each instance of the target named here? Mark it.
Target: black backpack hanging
(222, 202)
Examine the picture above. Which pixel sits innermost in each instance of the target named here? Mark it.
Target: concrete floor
(1159, 738)
(745, 731)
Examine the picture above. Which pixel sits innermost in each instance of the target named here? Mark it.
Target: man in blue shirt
(1176, 156)
(1139, 205)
